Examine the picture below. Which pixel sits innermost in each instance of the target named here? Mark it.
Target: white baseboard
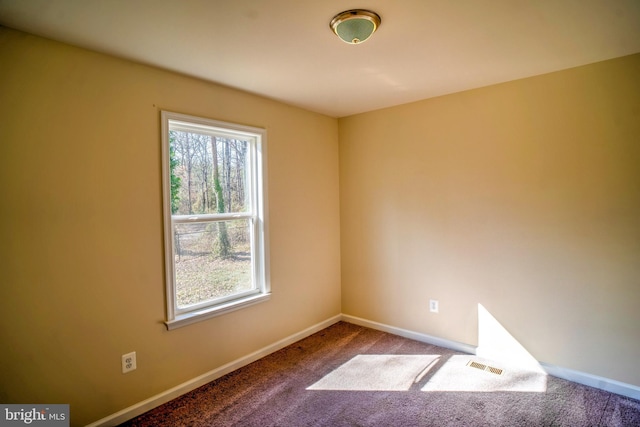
(606, 384)
(440, 342)
(164, 397)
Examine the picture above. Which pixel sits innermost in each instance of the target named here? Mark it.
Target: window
(215, 232)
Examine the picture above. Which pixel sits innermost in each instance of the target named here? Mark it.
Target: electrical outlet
(433, 305)
(129, 362)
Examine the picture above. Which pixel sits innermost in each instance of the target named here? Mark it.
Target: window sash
(252, 161)
(255, 273)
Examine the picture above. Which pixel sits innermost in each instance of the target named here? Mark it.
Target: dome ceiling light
(355, 26)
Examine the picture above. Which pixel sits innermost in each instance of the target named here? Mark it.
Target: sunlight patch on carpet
(378, 372)
(456, 375)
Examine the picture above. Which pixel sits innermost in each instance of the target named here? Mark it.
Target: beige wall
(81, 228)
(523, 197)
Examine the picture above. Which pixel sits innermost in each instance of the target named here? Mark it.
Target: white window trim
(175, 317)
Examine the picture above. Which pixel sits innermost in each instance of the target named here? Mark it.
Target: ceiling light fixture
(355, 26)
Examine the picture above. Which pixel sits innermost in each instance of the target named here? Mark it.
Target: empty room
(320, 213)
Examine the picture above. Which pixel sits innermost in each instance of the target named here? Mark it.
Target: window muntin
(215, 227)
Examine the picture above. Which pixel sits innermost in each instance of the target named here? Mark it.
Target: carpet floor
(348, 375)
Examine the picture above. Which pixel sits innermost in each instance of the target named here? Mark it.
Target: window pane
(208, 174)
(212, 260)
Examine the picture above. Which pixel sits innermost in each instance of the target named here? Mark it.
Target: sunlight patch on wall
(378, 372)
(496, 343)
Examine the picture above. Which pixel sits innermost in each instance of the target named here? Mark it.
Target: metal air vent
(483, 367)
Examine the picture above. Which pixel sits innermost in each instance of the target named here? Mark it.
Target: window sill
(209, 312)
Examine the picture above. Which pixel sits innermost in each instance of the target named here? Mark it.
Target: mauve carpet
(348, 375)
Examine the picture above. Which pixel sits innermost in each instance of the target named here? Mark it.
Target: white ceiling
(284, 49)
